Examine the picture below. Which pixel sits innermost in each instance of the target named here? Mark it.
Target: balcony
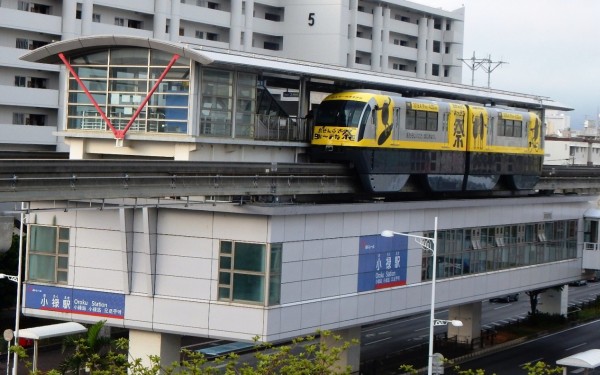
(41, 23)
(140, 6)
(28, 135)
(9, 57)
(25, 97)
(108, 29)
(196, 14)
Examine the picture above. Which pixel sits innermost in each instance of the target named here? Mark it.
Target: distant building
(572, 151)
(558, 124)
(397, 37)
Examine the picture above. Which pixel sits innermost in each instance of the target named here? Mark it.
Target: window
(397, 66)
(96, 18)
(271, 46)
(272, 17)
(119, 21)
(437, 46)
(18, 119)
(23, 5)
(199, 34)
(48, 254)
(244, 275)
(212, 5)
(40, 8)
(78, 14)
(134, 24)
(181, 31)
(510, 128)
(20, 81)
(421, 120)
(212, 36)
(435, 70)
(22, 43)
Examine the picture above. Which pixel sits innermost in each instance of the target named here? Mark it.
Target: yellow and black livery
(445, 146)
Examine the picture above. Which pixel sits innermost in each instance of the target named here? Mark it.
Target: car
(578, 283)
(506, 299)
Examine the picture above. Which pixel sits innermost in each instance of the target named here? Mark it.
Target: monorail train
(443, 146)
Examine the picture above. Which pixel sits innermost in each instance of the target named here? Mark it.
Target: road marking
(503, 306)
(420, 329)
(576, 346)
(376, 341)
(384, 332)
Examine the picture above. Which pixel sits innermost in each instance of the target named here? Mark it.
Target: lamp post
(429, 243)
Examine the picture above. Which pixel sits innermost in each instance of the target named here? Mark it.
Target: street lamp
(429, 243)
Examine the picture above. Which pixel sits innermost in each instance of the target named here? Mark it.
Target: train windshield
(340, 113)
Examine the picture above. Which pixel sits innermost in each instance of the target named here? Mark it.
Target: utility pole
(473, 63)
(486, 64)
(491, 66)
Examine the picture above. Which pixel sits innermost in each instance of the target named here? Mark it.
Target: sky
(551, 48)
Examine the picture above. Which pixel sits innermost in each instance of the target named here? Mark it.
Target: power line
(486, 64)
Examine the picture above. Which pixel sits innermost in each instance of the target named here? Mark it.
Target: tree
(92, 352)
(541, 368)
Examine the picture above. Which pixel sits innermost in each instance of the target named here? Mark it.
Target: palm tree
(86, 352)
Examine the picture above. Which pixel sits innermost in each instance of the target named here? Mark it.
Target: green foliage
(99, 355)
(541, 368)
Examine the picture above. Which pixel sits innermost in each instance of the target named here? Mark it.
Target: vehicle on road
(578, 283)
(506, 299)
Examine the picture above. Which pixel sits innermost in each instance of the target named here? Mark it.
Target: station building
(396, 37)
(219, 268)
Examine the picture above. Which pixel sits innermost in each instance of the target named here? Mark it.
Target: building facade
(395, 37)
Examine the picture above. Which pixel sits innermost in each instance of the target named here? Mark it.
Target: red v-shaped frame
(119, 134)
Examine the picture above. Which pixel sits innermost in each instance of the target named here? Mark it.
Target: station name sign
(381, 262)
(75, 301)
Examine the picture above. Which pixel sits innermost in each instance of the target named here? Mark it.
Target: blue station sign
(381, 262)
(75, 301)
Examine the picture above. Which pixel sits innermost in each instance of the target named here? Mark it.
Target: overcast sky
(552, 48)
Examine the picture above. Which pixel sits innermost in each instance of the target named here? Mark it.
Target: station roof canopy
(52, 330)
(587, 359)
(313, 71)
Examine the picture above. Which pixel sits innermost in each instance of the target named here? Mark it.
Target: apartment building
(397, 37)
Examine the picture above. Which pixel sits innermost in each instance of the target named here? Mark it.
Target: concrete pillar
(429, 58)
(175, 21)
(87, 13)
(161, 11)
(422, 48)
(385, 40)
(69, 9)
(248, 25)
(350, 357)
(236, 20)
(470, 315)
(143, 344)
(554, 301)
(351, 59)
(376, 39)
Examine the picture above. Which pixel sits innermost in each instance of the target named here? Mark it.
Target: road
(405, 333)
(548, 349)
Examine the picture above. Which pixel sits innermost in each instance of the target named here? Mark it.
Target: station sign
(75, 301)
(382, 262)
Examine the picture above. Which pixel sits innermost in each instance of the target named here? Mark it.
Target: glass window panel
(43, 239)
(226, 247)
(80, 97)
(128, 72)
(247, 79)
(62, 277)
(42, 267)
(90, 72)
(225, 262)
(159, 58)
(224, 278)
(83, 110)
(224, 293)
(248, 287)
(97, 58)
(139, 87)
(129, 56)
(249, 257)
(63, 263)
(63, 248)
(176, 74)
(274, 289)
(173, 87)
(91, 85)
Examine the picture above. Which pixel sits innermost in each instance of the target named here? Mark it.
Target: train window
(340, 113)
(421, 120)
